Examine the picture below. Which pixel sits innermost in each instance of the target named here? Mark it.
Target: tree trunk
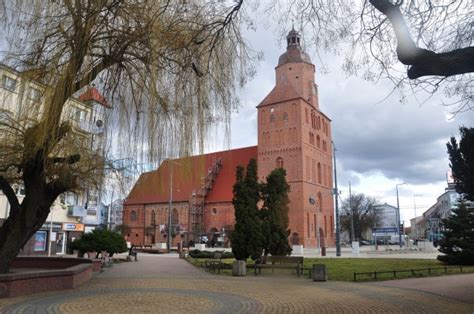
(19, 228)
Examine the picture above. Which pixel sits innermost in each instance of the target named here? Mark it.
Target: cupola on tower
(293, 133)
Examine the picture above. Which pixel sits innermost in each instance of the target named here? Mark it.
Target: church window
(174, 217)
(325, 146)
(279, 162)
(307, 224)
(313, 170)
(325, 226)
(318, 141)
(285, 116)
(311, 138)
(214, 210)
(319, 173)
(315, 228)
(153, 218)
(306, 115)
(272, 117)
(133, 216)
(320, 202)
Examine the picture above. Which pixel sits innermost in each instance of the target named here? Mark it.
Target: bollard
(323, 251)
(319, 272)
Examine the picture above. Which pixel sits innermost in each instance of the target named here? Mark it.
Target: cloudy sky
(379, 143)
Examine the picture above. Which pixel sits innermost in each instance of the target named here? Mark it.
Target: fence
(413, 272)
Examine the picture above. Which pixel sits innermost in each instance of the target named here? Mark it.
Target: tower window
(319, 173)
(318, 141)
(279, 162)
(320, 202)
(133, 215)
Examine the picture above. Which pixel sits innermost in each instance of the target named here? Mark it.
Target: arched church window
(325, 148)
(272, 117)
(133, 216)
(318, 141)
(153, 218)
(320, 202)
(279, 162)
(319, 173)
(174, 217)
(285, 116)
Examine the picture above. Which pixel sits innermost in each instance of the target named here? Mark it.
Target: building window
(9, 83)
(325, 148)
(279, 162)
(133, 216)
(174, 217)
(285, 116)
(306, 115)
(272, 118)
(319, 173)
(307, 224)
(318, 142)
(320, 202)
(214, 211)
(311, 138)
(35, 94)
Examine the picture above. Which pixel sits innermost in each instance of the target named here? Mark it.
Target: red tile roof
(154, 187)
(95, 95)
(282, 93)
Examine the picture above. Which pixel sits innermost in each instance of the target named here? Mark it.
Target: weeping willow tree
(421, 46)
(169, 68)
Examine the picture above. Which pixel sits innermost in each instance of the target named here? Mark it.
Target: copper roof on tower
(294, 52)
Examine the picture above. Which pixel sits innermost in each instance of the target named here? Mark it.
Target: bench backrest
(283, 259)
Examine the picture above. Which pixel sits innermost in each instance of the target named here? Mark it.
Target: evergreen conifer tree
(247, 235)
(274, 214)
(458, 241)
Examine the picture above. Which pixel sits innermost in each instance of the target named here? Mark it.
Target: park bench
(280, 262)
(213, 263)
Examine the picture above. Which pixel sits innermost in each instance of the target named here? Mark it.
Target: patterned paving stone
(169, 285)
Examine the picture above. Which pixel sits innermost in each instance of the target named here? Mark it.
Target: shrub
(100, 240)
(208, 254)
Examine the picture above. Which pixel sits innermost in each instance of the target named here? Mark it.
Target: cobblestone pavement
(165, 284)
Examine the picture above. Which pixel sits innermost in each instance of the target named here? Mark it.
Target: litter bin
(323, 251)
(319, 272)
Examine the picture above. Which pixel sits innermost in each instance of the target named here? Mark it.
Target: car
(364, 242)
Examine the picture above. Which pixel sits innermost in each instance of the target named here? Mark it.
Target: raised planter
(56, 273)
(239, 268)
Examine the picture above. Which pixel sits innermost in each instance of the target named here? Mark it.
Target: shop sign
(73, 227)
(55, 225)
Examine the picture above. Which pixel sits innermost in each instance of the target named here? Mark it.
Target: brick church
(292, 133)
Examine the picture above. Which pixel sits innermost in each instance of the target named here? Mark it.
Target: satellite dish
(99, 123)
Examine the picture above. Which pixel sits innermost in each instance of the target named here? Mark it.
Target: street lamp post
(398, 216)
(336, 194)
(414, 206)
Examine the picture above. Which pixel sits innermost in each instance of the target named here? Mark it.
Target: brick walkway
(165, 284)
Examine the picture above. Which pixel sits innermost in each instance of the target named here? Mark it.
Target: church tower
(294, 134)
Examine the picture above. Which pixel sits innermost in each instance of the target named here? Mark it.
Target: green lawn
(342, 269)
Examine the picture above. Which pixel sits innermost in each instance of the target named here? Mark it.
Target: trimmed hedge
(207, 254)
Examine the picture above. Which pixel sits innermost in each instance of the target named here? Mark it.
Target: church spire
(293, 39)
